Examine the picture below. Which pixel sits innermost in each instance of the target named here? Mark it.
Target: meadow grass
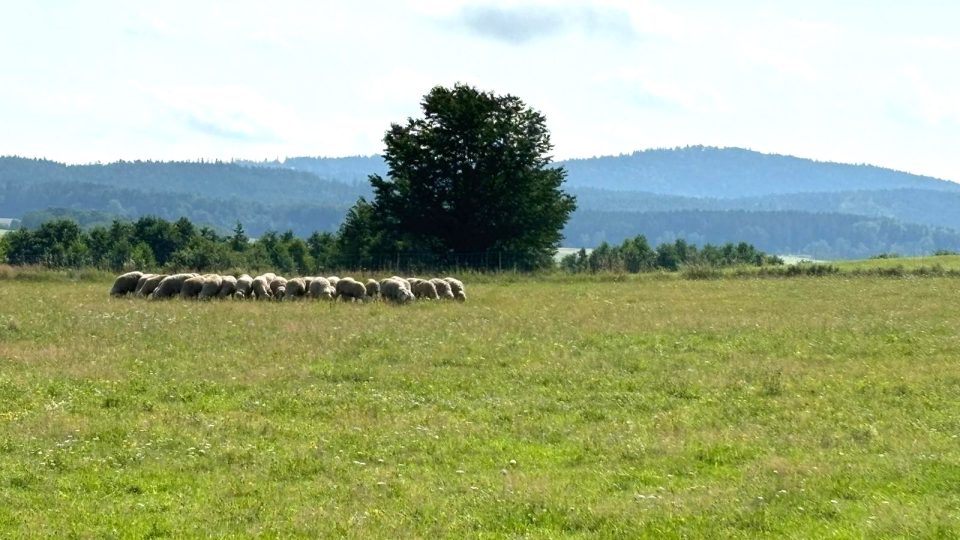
(655, 407)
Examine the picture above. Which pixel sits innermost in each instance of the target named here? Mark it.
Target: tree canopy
(472, 176)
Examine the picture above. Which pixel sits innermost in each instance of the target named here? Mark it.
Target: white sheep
(349, 289)
(211, 286)
(296, 288)
(278, 287)
(150, 284)
(260, 288)
(244, 282)
(228, 286)
(140, 283)
(126, 283)
(396, 290)
(170, 286)
(192, 286)
(443, 289)
(373, 289)
(456, 287)
(320, 288)
(425, 289)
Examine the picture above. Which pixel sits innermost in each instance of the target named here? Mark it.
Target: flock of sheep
(273, 287)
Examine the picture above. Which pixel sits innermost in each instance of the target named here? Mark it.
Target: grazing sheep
(150, 284)
(278, 287)
(260, 288)
(192, 287)
(425, 289)
(332, 280)
(395, 290)
(140, 283)
(244, 282)
(373, 289)
(126, 283)
(443, 288)
(308, 280)
(170, 286)
(270, 276)
(296, 288)
(211, 286)
(228, 286)
(412, 281)
(456, 287)
(350, 289)
(320, 288)
(403, 281)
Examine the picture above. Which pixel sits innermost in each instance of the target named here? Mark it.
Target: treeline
(635, 255)
(816, 235)
(155, 243)
(921, 206)
(152, 243)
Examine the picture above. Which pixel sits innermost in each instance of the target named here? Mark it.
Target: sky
(852, 81)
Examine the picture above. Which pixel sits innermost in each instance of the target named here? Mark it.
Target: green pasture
(642, 407)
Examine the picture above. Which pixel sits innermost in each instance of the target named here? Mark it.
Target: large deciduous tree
(472, 179)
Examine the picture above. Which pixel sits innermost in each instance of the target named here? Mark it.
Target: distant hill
(700, 171)
(779, 203)
(695, 171)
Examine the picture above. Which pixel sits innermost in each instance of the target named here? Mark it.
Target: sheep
(350, 289)
(332, 280)
(228, 286)
(269, 276)
(403, 281)
(296, 288)
(170, 286)
(396, 290)
(150, 284)
(191, 287)
(211, 286)
(443, 288)
(140, 283)
(126, 283)
(308, 280)
(244, 282)
(320, 288)
(278, 287)
(412, 282)
(373, 289)
(456, 287)
(260, 288)
(425, 289)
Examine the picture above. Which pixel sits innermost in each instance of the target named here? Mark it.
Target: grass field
(803, 408)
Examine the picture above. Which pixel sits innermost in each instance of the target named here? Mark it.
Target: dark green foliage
(55, 244)
(472, 176)
(635, 255)
(813, 235)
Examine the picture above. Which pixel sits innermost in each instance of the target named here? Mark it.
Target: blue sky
(851, 81)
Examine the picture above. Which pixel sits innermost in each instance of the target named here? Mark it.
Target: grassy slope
(804, 408)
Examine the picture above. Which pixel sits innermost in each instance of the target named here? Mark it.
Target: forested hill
(216, 180)
(699, 171)
(695, 171)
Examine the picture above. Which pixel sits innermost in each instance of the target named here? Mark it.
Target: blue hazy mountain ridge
(700, 171)
(695, 171)
(721, 195)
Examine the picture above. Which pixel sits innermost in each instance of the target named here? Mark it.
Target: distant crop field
(803, 408)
